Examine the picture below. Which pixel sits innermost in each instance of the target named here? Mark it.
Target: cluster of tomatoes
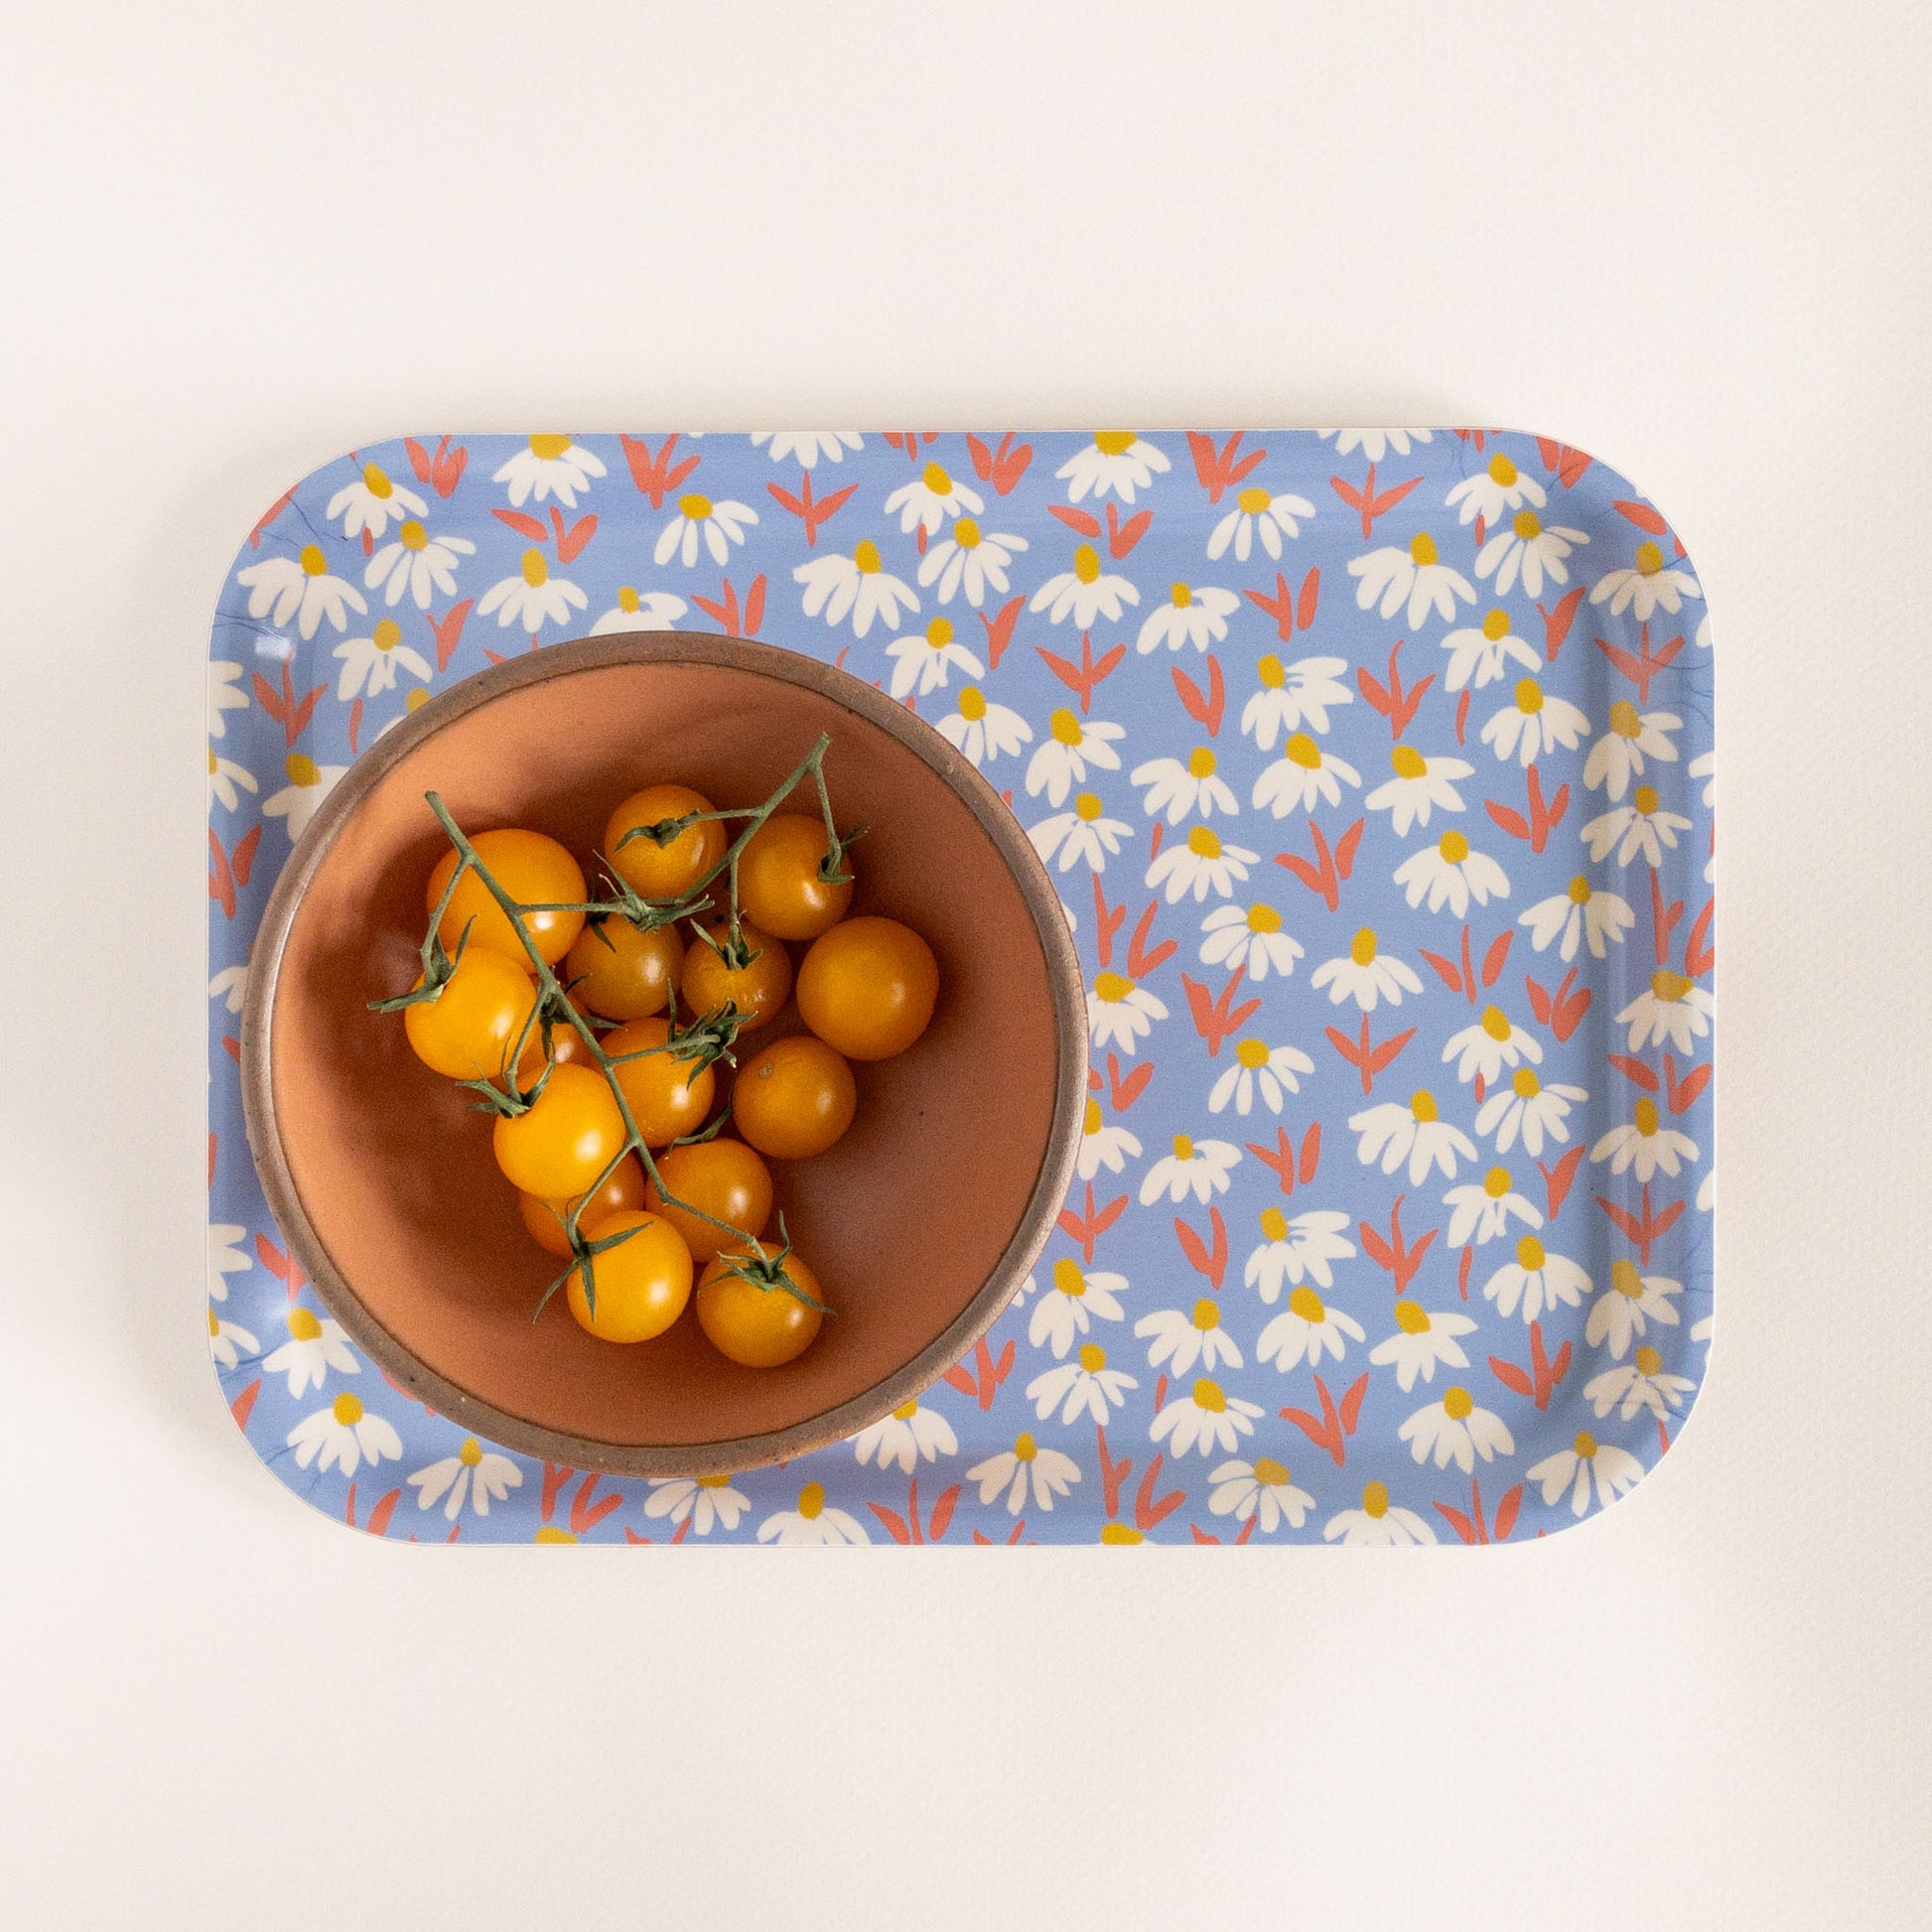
(865, 990)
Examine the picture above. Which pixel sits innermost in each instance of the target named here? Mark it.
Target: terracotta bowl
(922, 1222)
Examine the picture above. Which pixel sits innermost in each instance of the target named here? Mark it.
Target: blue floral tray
(1375, 770)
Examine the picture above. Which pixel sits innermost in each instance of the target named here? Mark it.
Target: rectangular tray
(1204, 669)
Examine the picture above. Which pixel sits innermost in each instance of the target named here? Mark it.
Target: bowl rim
(1065, 982)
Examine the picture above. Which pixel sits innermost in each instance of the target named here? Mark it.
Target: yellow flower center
(1456, 1404)
(1253, 501)
(1068, 1278)
(1645, 799)
(907, 1409)
(1502, 470)
(346, 1409)
(1025, 1447)
(1524, 1083)
(1650, 560)
(937, 481)
(1272, 673)
(1584, 1445)
(1529, 697)
(1065, 727)
(302, 769)
(1625, 719)
(1412, 1317)
(1375, 1500)
(416, 699)
(720, 1482)
(1361, 949)
(696, 507)
(470, 1453)
(553, 1533)
(1093, 1358)
(303, 1325)
(1409, 762)
(1086, 563)
(1495, 1183)
(1495, 626)
(536, 570)
(389, 634)
(213, 764)
(1208, 1396)
(1200, 763)
(1626, 1280)
(1530, 1255)
(376, 482)
(1252, 1054)
(1114, 442)
(1580, 891)
(1302, 750)
(1112, 988)
(1648, 1360)
(1422, 549)
(1421, 1105)
(1181, 596)
(938, 633)
(1495, 1023)
(811, 1499)
(411, 535)
(1274, 1225)
(1264, 918)
(213, 1322)
(1204, 844)
(1526, 525)
(1092, 1126)
(1307, 1303)
(1183, 1148)
(548, 448)
(1668, 985)
(628, 600)
(966, 533)
(1645, 1114)
(1086, 807)
(314, 563)
(1206, 1316)
(1454, 847)
(1120, 1533)
(865, 556)
(972, 704)
(1270, 1474)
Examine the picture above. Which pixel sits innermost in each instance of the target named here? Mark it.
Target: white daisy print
(1377, 1523)
(297, 800)
(315, 1346)
(1614, 1470)
(372, 503)
(1274, 1072)
(1305, 1330)
(807, 447)
(1076, 1299)
(417, 563)
(1641, 829)
(860, 585)
(1293, 1248)
(1083, 1387)
(229, 1341)
(226, 780)
(637, 609)
(1413, 573)
(1207, 1418)
(1046, 1471)
(1532, 723)
(1488, 1046)
(1180, 1339)
(1117, 460)
(532, 598)
(1195, 613)
(1070, 747)
(1081, 836)
(1262, 514)
(1423, 1342)
(814, 1525)
(549, 465)
(1375, 444)
(1452, 873)
(1619, 756)
(718, 525)
(1535, 1280)
(704, 1503)
(1481, 1211)
(1198, 863)
(224, 694)
(230, 987)
(1252, 941)
(1120, 1013)
(1623, 1313)
(300, 586)
(1198, 1168)
(1259, 1489)
(1639, 1386)
(1084, 593)
(926, 660)
(224, 1255)
(1103, 1145)
(1483, 652)
(1672, 1007)
(1523, 1106)
(1293, 695)
(481, 1475)
(1302, 777)
(1525, 547)
(369, 664)
(345, 1435)
(908, 1435)
(1178, 790)
(1494, 493)
(971, 560)
(1366, 973)
(985, 731)
(1645, 1144)
(1414, 1130)
(926, 503)
(1578, 912)
(1646, 587)
(1454, 1429)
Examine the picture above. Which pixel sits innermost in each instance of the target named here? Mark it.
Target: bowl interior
(903, 1220)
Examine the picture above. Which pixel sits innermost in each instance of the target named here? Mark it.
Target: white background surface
(240, 238)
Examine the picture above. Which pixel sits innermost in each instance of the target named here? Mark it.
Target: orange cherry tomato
(641, 1283)
(623, 1193)
(469, 1028)
(565, 1139)
(754, 1326)
(535, 871)
(724, 1179)
(868, 988)
(779, 883)
(759, 989)
(668, 1097)
(654, 871)
(622, 973)
(795, 1099)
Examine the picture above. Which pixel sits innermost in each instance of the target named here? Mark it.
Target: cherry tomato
(565, 1139)
(868, 988)
(622, 973)
(535, 871)
(754, 1326)
(567, 1048)
(779, 885)
(795, 1099)
(725, 1180)
(469, 1028)
(759, 989)
(623, 1193)
(642, 1283)
(668, 1097)
(654, 871)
